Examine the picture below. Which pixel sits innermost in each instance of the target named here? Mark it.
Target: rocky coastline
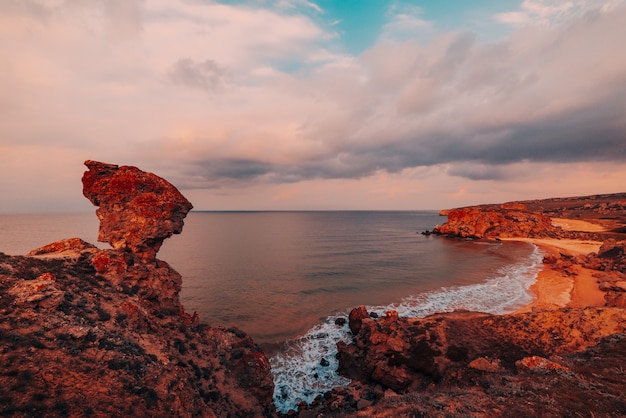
(89, 332)
(92, 332)
(563, 355)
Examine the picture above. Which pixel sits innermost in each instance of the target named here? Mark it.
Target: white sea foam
(298, 371)
(299, 374)
(505, 292)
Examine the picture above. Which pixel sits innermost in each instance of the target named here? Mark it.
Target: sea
(285, 277)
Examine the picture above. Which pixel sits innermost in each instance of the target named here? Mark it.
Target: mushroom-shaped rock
(137, 210)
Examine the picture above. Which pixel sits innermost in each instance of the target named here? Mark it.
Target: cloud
(207, 75)
(549, 12)
(298, 4)
(481, 171)
(404, 22)
(127, 83)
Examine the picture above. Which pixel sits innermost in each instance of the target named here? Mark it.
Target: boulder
(540, 365)
(71, 247)
(356, 317)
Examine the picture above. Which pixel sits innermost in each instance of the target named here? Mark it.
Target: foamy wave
(307, 367)
(504, 293)
(298, 371)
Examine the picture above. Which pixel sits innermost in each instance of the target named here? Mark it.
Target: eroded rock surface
(89, 332)
(491, 221)
(137, 210)
(411, 353)
(551, 363)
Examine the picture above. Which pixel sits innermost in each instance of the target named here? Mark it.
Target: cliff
(534, 218)
(90, 332)
(491, 221)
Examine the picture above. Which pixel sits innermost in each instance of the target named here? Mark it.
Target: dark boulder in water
(341, 321)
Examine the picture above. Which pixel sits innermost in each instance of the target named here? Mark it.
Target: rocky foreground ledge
(89, 332)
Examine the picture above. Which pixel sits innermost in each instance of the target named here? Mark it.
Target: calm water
(284, 277)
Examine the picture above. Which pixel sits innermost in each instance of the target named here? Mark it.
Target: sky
(314, 105)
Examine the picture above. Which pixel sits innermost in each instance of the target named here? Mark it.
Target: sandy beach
(574, 287)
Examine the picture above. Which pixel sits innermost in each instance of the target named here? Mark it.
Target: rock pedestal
(138, 210)
(89, 332)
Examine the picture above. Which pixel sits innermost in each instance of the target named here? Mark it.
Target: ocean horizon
(283, 277)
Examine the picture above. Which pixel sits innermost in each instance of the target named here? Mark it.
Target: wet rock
(550, 259)
(356, 317)
(341, 321)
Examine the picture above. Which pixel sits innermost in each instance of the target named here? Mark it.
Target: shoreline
(570, 287)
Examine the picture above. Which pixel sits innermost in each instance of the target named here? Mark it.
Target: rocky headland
(92, 332)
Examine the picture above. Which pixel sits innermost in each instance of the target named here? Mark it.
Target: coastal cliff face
(491, 221)
(90, 332)
(532, 219)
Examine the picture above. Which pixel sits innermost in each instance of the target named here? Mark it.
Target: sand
(571, 247)
(577, 225)
(575, 288)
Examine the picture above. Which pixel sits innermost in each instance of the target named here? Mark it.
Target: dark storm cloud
(235, 169)
(594, 133)
(597, 133)
(479, 172)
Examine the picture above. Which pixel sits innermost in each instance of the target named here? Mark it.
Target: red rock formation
(356, 317)
(72, 344)
(88, 332)
(410, 353)
(492, 221)
(138, 210)
(67, 247)
(546, 363)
